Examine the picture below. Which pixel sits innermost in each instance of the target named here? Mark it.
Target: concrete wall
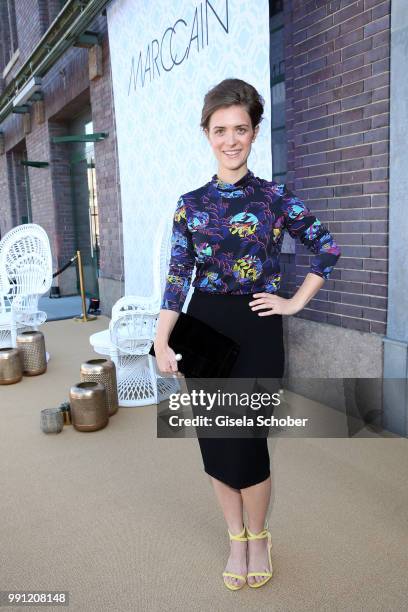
(396, 340)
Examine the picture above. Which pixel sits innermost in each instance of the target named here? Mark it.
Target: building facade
(337, 78)
(330, 92)
(76, 196)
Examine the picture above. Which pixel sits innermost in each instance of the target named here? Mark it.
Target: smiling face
(231, 135)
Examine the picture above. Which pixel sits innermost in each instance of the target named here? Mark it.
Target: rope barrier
(70, 262)
(94, 303)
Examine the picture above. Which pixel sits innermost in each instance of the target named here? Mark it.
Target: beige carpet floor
(125, 521)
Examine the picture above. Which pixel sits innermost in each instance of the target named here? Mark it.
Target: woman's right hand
(166, 359)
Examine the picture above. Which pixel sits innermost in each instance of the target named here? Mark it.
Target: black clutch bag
(206, 353)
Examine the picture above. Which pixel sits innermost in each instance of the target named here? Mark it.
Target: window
(84, 200)
(8, 30)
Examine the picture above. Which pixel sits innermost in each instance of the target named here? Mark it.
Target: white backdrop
(162, 150)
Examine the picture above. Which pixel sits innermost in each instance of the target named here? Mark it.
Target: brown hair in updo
(228, 93)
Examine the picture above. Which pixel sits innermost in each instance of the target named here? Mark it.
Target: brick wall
(29, 27)
(67, 92)
(42, 202)
(33, 17)
(61, 193)
(6, 220)
(107, 171)
(337, 83)
(4, 38)
(17, 185)
(48, 10)
(13, 207)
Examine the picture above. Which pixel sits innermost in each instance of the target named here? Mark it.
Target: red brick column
(111, 279)
(337, 77)
(6, 215)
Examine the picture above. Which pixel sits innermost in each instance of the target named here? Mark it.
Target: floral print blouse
(233, 233)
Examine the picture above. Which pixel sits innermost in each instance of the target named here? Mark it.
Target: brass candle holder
(10, 366)
(89, 409)
(104, 372)
(32, 347)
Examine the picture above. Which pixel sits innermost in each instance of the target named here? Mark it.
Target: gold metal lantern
(89, 409)
(32, 347)
(104, 372)
(10, 366)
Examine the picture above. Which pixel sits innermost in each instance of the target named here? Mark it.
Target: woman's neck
(232, 176)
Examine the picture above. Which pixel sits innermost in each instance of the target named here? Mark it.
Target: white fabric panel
(162, 150)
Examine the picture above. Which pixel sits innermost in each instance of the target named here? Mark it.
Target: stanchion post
(84, 318)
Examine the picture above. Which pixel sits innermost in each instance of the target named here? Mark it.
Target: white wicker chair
(26, 274)
(5, 310)
(131, 333)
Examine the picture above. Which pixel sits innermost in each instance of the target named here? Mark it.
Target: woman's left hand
(271, 304)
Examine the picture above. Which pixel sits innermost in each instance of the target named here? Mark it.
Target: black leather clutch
(206, 353)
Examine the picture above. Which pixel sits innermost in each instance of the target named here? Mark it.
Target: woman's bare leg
(256, 501)
(230, 501)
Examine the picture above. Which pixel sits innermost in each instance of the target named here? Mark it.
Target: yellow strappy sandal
(240, 537)
(259, 536)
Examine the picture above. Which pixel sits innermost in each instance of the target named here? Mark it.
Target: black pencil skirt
(241, 462)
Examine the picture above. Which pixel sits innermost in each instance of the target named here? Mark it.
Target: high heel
(240, 537)
(260, 536)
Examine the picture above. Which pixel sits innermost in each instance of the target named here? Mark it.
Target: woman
(232, 229)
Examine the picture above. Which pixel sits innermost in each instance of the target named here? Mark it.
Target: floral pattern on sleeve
(233, 234)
